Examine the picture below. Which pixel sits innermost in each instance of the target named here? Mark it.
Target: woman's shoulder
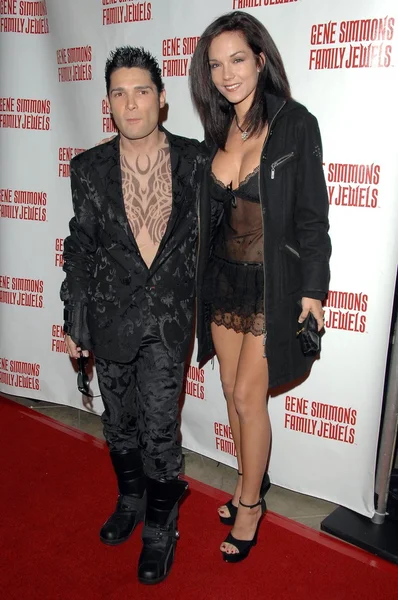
(298, 112)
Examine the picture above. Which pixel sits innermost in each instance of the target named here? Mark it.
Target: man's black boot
(160, 533)
(131, 503)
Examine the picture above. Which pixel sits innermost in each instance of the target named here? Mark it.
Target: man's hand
(314, 306)
(74, 350)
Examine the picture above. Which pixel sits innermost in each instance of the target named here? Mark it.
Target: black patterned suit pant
(141, 405)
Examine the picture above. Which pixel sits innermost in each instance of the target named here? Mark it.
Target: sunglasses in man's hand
(83, 382)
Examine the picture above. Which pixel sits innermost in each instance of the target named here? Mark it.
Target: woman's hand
(313, 306)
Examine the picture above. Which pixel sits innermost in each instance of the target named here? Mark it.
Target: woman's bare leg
(228, 344)
(250, 399)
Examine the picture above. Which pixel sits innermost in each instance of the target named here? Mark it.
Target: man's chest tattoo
(147, 194)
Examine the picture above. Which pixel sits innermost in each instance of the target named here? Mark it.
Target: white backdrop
(341, 58)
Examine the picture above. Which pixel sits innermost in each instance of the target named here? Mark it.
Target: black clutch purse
(309, 336)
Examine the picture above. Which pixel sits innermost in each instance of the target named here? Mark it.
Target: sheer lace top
(240, 237)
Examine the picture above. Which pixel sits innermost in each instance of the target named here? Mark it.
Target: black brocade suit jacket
(107, 283)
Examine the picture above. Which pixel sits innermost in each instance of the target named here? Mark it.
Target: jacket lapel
(108, 167)
(181, 172)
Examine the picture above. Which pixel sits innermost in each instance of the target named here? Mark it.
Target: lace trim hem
(254, 323)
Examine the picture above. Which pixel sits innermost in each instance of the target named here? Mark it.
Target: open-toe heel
(232, 509)
(243, 546)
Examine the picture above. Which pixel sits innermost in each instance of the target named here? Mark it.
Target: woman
(263, 243)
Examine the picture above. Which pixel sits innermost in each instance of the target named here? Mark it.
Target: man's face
(135, 102)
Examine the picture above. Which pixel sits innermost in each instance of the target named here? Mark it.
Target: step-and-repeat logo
(177, 54)
(20, 374)
(23, 205)
(74, 64)
(59, 248)
(118, 12)
(353, 185)
(25, 113)
(241, 4)
(18, 16)
(194, 382)
(57, 339)
(223, 438)
(65, 155)
(108, 125)
(21, 291)
(346, 311)
(320, 420)
(357, 44)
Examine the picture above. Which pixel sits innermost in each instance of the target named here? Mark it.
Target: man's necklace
(244, 133)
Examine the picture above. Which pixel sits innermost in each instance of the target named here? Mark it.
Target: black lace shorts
(235, 292)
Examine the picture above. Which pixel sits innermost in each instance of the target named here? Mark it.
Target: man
(129, 295)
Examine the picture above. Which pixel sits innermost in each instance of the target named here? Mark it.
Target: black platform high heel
(243, 546)
(233, 510)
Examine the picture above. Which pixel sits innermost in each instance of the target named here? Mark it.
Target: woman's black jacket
(294, 202)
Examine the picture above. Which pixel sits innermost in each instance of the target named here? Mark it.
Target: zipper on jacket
(279, 162)
(197, 261)
(292, 250)
(263, 221)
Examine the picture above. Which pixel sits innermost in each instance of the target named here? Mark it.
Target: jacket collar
(274, 105)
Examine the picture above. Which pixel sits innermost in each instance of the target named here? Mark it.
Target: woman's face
(234, 67)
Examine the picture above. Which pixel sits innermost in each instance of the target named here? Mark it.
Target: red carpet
(57, 488)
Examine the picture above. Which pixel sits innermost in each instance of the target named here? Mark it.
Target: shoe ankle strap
(250, 505)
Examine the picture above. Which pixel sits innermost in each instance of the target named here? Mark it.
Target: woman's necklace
(244, 134)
